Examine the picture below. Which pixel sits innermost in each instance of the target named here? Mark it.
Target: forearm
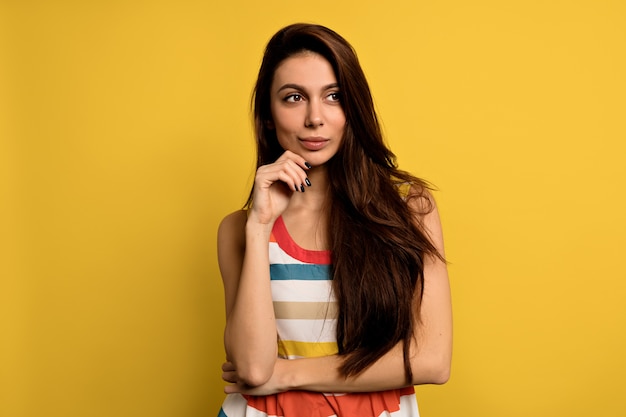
(429, 365)
(322, 374)
(250, 334)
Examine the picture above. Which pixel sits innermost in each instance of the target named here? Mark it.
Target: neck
(306, 217)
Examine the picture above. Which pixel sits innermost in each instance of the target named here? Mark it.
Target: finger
(228, 366)
(243, 389)
(298, 174)
(232, 389)
(286, 171)
(229, 377)
(296, 158)
(293, 176)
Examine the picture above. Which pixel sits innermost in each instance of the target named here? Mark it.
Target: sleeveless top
(305, 310)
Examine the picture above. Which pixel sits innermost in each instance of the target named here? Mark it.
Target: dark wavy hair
(377, 247)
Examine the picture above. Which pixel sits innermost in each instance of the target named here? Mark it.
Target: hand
(273, 386)
(275, 183)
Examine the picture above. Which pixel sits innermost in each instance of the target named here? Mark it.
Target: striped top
(304, 304)
(306, 309)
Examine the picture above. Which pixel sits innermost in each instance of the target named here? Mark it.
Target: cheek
(283, 131)
(283, 120)
(340, 122)
(339, 117)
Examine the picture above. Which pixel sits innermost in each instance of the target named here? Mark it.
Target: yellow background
(125, 138)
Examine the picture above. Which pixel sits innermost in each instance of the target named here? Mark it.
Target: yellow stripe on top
(290, 348)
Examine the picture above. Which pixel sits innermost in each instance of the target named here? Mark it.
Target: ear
(269, 124)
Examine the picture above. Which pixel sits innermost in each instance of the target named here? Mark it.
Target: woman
(334, 275)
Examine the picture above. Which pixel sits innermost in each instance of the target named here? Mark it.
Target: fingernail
(296, 187)
(301, 187)
(308, 183)
(306, 164)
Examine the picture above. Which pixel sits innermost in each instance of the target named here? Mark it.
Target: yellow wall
(125, 139)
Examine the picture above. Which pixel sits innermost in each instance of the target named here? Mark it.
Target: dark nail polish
(306, 164)
(301, 187)
(308, 183)
(296, 187)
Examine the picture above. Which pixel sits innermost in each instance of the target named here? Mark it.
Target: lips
(314, 143)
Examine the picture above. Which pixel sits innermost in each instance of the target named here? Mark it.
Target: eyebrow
(301, 88)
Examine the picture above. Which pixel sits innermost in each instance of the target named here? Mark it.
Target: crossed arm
(252, 366)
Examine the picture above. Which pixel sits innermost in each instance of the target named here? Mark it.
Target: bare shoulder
(231, 238)
(422, 203)
(233, 226)
(421, 200)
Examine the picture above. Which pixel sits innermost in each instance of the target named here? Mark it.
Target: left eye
(334, 96)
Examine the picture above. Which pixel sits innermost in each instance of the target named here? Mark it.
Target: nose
(314, 115)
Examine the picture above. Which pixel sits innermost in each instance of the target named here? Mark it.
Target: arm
(243, 257)
(430, 354)
(250, 333)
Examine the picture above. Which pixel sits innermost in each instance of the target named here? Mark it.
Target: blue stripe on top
(304, 272)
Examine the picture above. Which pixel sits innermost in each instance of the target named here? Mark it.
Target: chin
(317, 160)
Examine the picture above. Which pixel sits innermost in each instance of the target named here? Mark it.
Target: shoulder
(423, 206)
(234, 219)
(420, 199)
(231, 231)
(417, 195)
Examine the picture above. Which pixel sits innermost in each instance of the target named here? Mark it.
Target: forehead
(306, 69)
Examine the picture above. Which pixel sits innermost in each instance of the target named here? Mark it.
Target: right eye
(293, 98)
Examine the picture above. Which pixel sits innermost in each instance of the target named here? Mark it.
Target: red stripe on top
(281, 236)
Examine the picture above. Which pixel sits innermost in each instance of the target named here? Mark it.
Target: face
(306, 108)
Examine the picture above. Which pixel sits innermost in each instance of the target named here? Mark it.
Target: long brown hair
(377, 248)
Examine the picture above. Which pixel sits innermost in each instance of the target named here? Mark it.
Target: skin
(309, 123)
(306, 108)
